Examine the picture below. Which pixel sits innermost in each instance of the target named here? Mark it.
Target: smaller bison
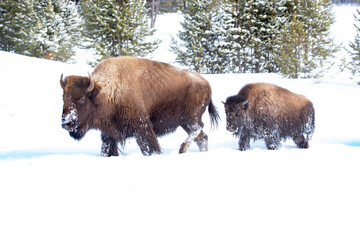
(265, 111)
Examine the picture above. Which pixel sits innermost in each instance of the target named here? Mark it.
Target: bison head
(236, 109)
(79, 104)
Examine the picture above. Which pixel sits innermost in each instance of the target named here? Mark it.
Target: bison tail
(214, 115)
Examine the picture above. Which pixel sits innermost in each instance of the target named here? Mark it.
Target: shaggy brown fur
(265, 111)
(135, 97)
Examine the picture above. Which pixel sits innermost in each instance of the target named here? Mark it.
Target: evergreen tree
(290, 56)
(199, 41)
(57, 29)
(16, 18)
(44, 33)
(236, 35)
(40, 28)
(252, 27)
(355, 49)
(262, 31)
(117, 27)
(306, 39)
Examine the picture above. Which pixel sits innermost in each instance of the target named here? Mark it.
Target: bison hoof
(303, 145)
(244, 145)
(272, 147)
(107, 154)
(184, 147)
(301, 142)
(109, 151)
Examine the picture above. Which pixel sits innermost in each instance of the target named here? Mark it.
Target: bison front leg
(146, 139)
(109, 146)
(301, 141)
(244, 141)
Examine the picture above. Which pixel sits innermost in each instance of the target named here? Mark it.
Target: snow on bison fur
(134, 97)
(265, 111)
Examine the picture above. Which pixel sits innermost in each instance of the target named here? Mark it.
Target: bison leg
(244, 141)
(146, 139)
(272, 140)
(109, 146)
(195, 134)
(301, 141)
(202, 142)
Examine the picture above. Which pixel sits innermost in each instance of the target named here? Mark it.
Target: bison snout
(66, 126)
(68, 119)
(230, 128)
(77, 132)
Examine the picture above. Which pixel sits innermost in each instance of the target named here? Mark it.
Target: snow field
(52, 187)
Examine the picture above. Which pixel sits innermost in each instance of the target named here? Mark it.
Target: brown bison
(265, 111)
(134, 97)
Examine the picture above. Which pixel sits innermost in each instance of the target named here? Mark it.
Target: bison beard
(265, 111)
(131, 97)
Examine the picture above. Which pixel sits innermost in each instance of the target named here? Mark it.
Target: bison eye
(81, 100)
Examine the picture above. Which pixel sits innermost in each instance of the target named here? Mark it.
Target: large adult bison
(134, 97)
(265, 111)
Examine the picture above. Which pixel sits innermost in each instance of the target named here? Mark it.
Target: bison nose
(65, 126)
(68, 119)
(230, 128)
(65, 123)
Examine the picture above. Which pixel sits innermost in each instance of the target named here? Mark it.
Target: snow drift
(52, 187)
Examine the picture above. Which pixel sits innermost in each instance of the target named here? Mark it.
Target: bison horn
(91, 85)
(244, 104)
(62, 81)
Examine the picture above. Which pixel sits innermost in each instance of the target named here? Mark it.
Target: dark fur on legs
(109, 146)
(146, 139)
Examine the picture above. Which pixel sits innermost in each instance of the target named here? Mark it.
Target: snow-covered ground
(52, 187)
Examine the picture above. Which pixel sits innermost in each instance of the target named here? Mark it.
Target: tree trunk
(154, 12)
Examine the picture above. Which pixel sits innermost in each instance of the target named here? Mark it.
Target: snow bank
(52, 187)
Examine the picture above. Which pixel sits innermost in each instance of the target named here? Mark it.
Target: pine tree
(290, 56)
(16, 18)
(263, 30)
(117, 28)
(40, 28)
(355, 49)
(71, 34)
(199, 41)
(308, 35)
(43, 34)
(236, 35)
(251, 29)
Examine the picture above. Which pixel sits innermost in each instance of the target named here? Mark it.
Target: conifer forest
(289, 37)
